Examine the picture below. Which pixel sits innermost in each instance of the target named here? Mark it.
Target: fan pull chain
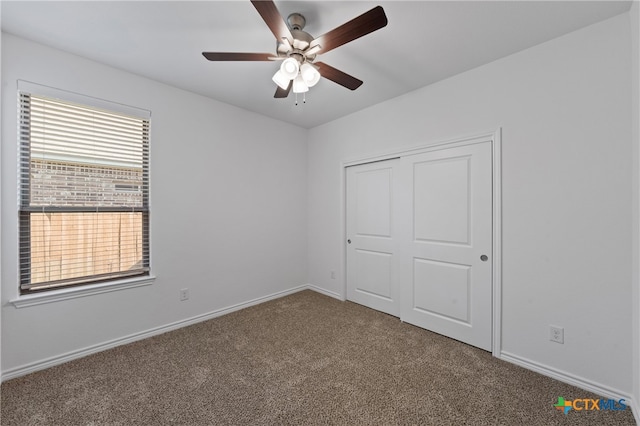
(304, 98)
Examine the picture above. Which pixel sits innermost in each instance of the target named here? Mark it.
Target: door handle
(484, 258)
(348, 241)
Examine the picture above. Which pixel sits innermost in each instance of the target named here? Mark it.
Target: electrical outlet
(184, 294)
(557, 334)
(333, 275)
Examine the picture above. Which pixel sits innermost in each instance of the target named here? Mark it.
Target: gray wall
(228, 210)
(564, 110)
(635, 73)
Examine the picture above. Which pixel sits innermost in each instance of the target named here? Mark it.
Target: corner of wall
(0, 200)
(634, 14)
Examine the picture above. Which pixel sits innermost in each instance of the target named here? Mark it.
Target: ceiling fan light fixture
(289, 68)
(281, 80)
(309, 74)
(299, 86)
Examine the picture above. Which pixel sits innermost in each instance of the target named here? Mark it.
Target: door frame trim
(495, 138)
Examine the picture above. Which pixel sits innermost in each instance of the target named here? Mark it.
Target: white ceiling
(424, 42)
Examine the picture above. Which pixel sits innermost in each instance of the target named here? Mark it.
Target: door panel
(372, 271)
(375, 272)
(442, 211)
(445, 285)
(373, 202)
(441, 289)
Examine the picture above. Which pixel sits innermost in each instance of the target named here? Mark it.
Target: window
(83, 194)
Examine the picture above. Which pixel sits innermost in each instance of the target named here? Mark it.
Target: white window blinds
(84, 194)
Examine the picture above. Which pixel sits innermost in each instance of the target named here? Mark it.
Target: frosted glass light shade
(281, 80)
(309, 74)
(289, 68)
(299, 86)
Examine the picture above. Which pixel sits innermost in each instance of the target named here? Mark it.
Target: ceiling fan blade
(364, 24)
(234, 56)
(283, 93)
(269, 12)
(337, 76)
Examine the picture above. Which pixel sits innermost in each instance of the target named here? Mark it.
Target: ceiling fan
(298, 49)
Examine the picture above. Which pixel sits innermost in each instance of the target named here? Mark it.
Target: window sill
(73, 293)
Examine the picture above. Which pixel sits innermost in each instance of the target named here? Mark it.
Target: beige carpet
(302, 359)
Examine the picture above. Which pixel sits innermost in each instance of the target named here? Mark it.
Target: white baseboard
(69, 356)
(325, 292)
(569, 378)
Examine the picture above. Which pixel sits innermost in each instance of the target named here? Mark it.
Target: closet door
(446, 234)
(371, 213)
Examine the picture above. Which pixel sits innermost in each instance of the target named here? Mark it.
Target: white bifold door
(419, 240)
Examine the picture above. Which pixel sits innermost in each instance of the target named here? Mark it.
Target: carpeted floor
(303, 359)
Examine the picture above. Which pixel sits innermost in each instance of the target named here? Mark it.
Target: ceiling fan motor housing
(301, 40)
(296, 21)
